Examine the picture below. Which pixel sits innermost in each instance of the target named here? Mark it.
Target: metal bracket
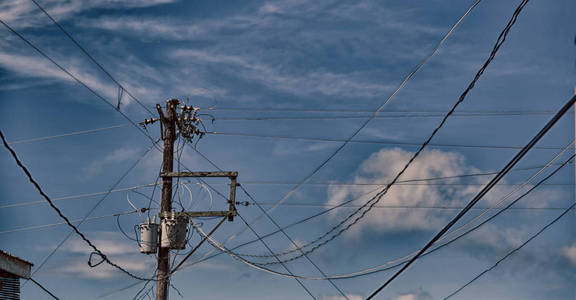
(231, 201)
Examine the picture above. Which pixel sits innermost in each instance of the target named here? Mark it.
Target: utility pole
(172, 233)
(168, 121)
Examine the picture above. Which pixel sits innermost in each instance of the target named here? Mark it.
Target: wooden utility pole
(168, 121)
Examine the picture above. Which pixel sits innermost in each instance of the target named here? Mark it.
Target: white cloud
(381, 166)
(569, 253)
(415, 295)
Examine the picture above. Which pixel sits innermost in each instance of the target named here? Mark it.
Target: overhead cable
(390, 111)
(369, 204)
(374, 114)
(389, 116)
(121, 88)
(63, 223)
(43, 288)
(254, 182)
(489, 186)
(379, 142)
(61, 215)
(67, 134)
(511, 252)
(390, 264)
(497, 204)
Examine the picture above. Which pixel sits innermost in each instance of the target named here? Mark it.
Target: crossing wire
(398, 143)
(120, 86)
(511, 252)
(489, 186)
(96, 94)
(63, 223)
(391, 264)
(46, 56)
(134, 188)
(60, 214)
(379, 142)
(375, 113)
(43, 288)
(371, 203)
(100, 97)
(392, 116)
(351, 224)
(351, 110)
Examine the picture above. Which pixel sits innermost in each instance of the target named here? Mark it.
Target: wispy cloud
(23, 13)
(301, 84)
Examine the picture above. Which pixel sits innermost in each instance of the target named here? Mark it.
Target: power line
(120, 86)
(46, 56)
(396, 143)
(64, 223)
(93, 208)
(38, 139)
(456, 230)
(391, 111)
(375, 113)
(43, 288)
(255, 182)
(60, 214)
(511, 252)
(391, 116)
(259, 238)
(270, 250)
(490, 185)
(78, 196)
(400, 261)
(207, 256)
(292, 241)
(411, 207)
(369, 204)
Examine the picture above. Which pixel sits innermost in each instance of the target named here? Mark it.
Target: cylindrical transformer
(174, 232)
(148, 236)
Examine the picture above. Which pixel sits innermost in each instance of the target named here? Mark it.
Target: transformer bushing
(174, 231)
(149, 236)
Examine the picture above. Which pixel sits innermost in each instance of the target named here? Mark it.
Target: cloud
(326, 83)
(35, 66)
(569, 253)
(23, 13)
(349, 296)
(491, 241)
(118, 155)
(381, 166)
(121, 251)
(419, 294)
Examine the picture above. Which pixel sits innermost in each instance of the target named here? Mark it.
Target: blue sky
(347, 56)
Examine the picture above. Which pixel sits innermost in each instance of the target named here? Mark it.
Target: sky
(263, 70)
